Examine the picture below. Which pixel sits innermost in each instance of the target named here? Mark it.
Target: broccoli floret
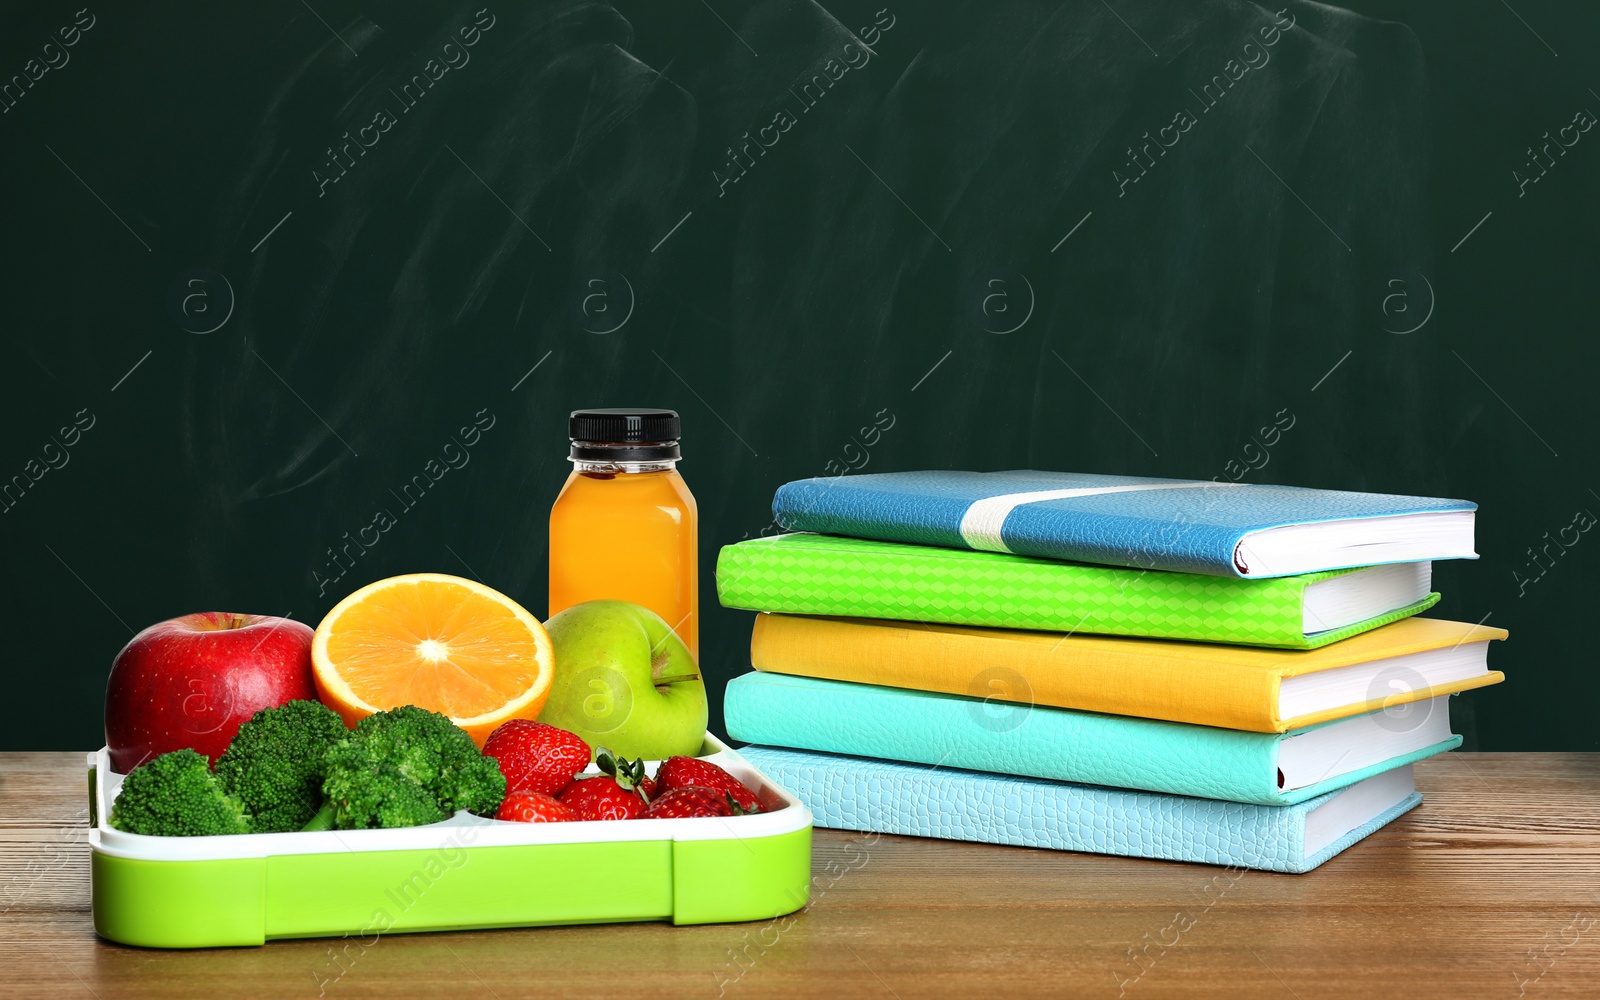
(477, 786)
(437, 754)
(412, 739)
(275, 763)
(176, 795)
(406, 767)
(365, 791)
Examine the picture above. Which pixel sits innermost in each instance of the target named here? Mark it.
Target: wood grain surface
(1490, 889)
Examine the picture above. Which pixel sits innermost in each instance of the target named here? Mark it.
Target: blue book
(850, 793)
(1187, 526)
(1035, 741)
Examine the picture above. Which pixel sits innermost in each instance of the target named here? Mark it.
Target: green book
(810, 574)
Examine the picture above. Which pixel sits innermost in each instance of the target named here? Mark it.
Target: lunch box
(462, 873)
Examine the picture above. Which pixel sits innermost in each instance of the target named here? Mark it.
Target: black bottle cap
(624, 434)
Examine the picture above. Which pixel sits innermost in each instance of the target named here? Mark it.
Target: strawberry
(599, 796)
(613, 794)
(687, 772)
(523, 806)
(691, 802)
(537, 757)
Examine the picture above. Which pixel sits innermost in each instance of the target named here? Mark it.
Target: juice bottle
(625, 526)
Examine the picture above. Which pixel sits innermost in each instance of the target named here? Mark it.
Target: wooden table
(1491, 888)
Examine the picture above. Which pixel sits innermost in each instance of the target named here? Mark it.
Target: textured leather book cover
(917, 727)
(828, 575)
(1234, 687)
(1187, 526)
(848, 793)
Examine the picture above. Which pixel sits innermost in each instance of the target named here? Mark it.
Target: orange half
(438, 642)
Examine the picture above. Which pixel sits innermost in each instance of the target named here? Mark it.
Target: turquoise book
(1033, 741)
(849, 793)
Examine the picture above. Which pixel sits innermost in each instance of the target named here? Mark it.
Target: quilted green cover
(810, 574)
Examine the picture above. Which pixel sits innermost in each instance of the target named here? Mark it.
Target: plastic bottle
(625, 526)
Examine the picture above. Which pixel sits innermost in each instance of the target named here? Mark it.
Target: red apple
(191, 681)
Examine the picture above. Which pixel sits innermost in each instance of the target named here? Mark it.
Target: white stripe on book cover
(980, 526)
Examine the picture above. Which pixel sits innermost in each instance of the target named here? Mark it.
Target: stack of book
(1197, 671)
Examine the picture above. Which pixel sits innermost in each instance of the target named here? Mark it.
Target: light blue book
(921, 727)
(1187, 526)
(849, 793)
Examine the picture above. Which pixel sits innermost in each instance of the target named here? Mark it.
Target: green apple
(625, 681)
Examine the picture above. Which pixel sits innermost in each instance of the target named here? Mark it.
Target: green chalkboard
(264, 262)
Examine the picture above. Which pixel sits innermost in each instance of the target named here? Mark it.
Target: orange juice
(625, 526)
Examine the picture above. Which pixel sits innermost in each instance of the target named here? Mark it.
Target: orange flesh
(432, 644)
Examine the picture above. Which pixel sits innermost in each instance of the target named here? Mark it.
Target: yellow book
(1232, 687)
